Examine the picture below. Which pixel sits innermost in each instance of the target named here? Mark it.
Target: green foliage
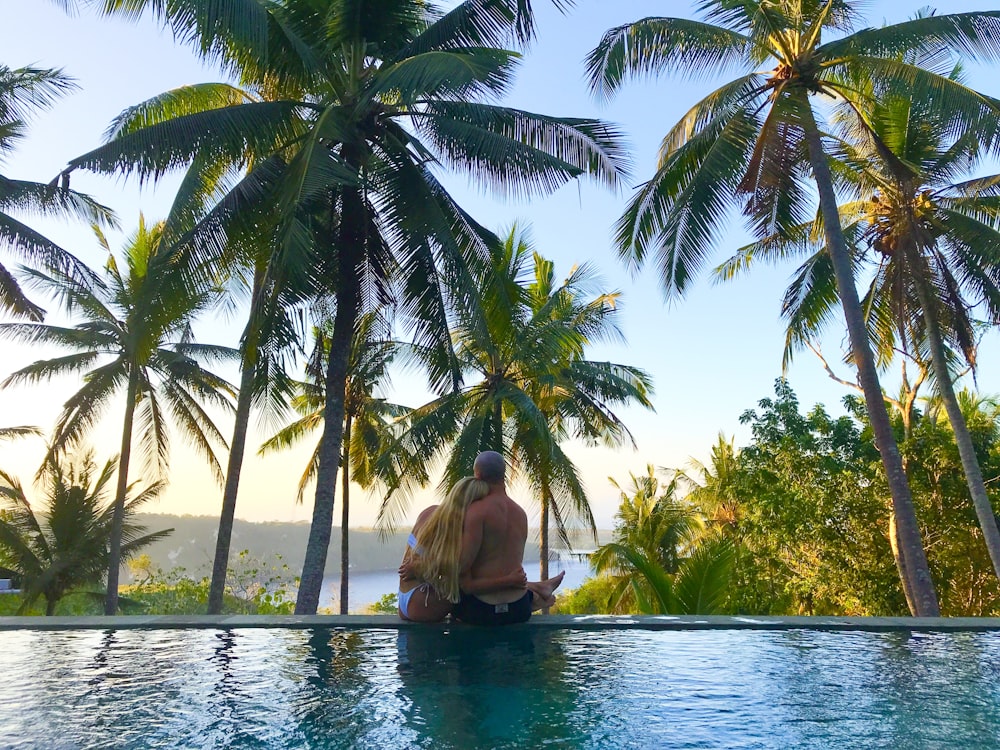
(596, 595)
(253, 587)
(388, 604)
(370, 417)
(24, 92)
(957, 551)
(813, 513)
(813, 516)
(662, 559)
(529, 386)
(65, 548)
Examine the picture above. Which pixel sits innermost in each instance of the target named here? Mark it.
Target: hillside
(192, 545)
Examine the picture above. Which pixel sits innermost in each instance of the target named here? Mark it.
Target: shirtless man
(493, 537)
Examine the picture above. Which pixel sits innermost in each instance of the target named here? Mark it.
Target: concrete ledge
(568, 622)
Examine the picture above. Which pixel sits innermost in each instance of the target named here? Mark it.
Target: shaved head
(489, 467)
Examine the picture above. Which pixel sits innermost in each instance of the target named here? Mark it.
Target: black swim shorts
(474, 611)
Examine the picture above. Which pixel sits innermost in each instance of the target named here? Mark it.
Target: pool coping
(567, 622)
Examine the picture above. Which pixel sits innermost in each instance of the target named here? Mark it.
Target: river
(367, 588)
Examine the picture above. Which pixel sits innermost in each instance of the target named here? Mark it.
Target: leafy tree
(812, 515)
(934, 241)
(754, 140)
(135, 335)
(958, 556)
(381, 89)
(66, 547)
(23, 93)
(528, 386)
(367, 420)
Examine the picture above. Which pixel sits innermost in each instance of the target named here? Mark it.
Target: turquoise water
(513, 688)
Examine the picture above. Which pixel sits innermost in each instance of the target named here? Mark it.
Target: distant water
(366, 588)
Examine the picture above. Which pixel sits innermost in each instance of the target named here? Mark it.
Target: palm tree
(24, 92)
(528, 386)
(135, 335)
(714, 488)
(66, 548)
(12, 433)
(935, 243)
(373, 93)
(753, 141)
(660, 559)
(367, 420)
(267, 339)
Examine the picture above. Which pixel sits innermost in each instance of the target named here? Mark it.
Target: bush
(388, 604)
(592, 597)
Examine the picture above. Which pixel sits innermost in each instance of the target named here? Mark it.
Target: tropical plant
(660, 560)
(368, 419)
(135, 335)
(65, 548)
(24, 92)
(753, 141)
(528, 386)
(934, 240)
(345, 169)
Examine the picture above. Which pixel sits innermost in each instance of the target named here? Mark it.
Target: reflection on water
(507, 688)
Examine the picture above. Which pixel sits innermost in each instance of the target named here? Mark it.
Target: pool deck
(567, 622)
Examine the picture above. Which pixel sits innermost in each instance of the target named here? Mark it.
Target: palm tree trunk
(970, 464)
(897, 557)
(220, 565)
(543, 535)
(350, 249)
(345, 493)
(914, 556)
(118, 516)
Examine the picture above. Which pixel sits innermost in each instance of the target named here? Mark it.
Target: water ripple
(516, 688)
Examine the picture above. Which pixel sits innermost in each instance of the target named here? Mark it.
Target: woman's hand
(518, 579)
(407, 569)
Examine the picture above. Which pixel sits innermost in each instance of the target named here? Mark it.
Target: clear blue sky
(712, 355)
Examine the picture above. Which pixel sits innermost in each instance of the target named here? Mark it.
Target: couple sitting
(464, 557)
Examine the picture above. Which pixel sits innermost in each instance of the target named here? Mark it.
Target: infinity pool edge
(569, 622)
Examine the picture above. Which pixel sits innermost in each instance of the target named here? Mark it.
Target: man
(493, 537)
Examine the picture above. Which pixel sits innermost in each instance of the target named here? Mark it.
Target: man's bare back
(493, 539)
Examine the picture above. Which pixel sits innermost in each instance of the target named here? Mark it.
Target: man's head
(489, 466)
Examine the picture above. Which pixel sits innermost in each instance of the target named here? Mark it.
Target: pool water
(520, 687)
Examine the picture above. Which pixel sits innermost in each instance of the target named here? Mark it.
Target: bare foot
(546, 587)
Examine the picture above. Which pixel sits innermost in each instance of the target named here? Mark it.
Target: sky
(711, 355)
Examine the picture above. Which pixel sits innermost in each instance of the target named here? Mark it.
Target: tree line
(310, 189)
(796, 521)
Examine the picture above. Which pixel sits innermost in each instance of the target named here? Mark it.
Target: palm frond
(656, 45)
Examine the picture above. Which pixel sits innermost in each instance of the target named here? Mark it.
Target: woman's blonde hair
(439, 541)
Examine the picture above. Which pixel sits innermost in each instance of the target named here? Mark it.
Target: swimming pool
(514, 688)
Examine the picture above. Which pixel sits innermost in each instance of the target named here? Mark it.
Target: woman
(429, 573)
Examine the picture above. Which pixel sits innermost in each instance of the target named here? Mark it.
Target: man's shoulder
(514, 506)
(497, 505)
